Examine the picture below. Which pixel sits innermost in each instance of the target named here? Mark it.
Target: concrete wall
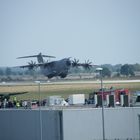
(86, 124)
(70, 124)
(25, 125)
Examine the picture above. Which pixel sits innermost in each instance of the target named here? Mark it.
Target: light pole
(40, 115)
(101, 78)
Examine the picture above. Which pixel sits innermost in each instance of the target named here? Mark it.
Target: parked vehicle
(136, 99)
(111, 91)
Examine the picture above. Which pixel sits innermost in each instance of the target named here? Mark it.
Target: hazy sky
(103, 31)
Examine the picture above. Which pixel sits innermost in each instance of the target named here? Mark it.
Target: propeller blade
(31, 65)
(75, 62)
(87, 65)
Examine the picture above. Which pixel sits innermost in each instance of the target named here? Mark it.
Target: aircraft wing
(47, 64)
(18, 93)
(84, 65)
(12, 94)
(24, 66)
(33, 65)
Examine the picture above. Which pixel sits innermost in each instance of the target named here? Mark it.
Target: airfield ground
(64, 88)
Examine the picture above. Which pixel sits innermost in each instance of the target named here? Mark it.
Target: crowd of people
(21, 103)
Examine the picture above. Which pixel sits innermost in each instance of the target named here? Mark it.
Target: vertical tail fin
(40, 58)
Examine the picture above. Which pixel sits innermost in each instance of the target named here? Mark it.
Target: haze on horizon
(105, 31)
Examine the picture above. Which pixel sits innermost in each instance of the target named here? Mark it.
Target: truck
(111, 91)
(76, 99)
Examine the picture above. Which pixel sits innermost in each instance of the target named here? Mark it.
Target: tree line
(109, 70)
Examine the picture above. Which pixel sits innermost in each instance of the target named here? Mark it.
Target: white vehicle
(76, 99)
(136, 99)
(56, 101)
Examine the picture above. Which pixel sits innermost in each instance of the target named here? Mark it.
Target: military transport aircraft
(54, 68)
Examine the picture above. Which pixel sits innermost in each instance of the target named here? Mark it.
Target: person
(10, 104)
(24, 104)
(0, 104)
(4, 103)
(17, 104)
(15, 101)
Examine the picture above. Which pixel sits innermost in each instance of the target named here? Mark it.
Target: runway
(67, 82)
(96, 82)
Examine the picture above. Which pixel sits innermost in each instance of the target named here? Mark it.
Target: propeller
(87, 64)
(75, 62)
(32, 65)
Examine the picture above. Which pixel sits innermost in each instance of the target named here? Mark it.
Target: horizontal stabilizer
(39, 55)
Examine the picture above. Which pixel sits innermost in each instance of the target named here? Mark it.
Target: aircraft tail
(39, 57)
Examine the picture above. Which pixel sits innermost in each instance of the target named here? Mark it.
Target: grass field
(62, 89)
